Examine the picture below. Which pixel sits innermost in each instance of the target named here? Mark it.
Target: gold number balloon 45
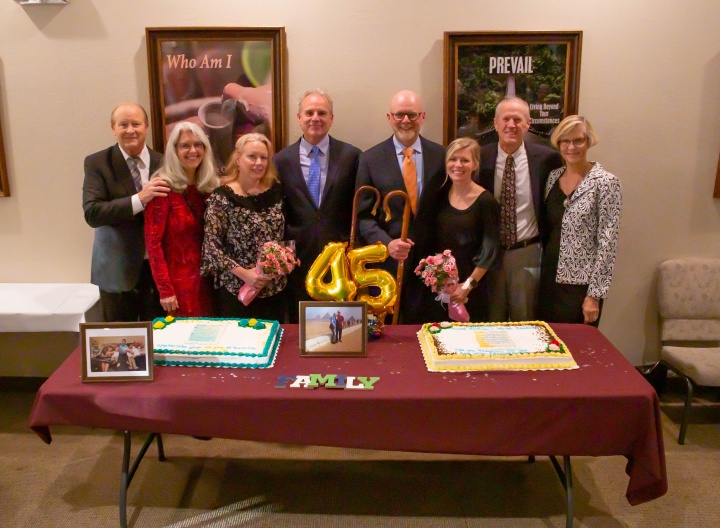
(358, 258)
(348, 273)
(341, 286)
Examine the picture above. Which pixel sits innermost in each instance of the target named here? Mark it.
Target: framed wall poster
(482, 68)
(116, 351)
(716, 192)
(230, 81)
(330, 329)
(4, 188)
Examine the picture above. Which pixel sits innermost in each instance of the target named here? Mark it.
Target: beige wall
(650, 82)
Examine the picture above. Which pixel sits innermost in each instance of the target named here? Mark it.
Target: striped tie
(135, 171)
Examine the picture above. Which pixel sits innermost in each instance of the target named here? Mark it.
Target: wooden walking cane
(356, 199)
(407, 211)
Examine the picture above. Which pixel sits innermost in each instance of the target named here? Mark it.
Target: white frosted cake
(531, 345)
(205, 342)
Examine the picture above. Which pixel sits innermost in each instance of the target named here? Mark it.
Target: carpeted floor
(220, 483)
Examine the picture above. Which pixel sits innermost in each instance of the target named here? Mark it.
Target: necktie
(409, 173)
(314, 175)
(508, 220)
(135, 171)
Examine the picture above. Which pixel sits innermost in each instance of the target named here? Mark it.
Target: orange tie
(410, 176)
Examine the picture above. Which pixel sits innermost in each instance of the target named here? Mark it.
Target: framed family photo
(483, 68)
(4, 189)
(116, 351)
(229, 81)
(330, 329)
(716, 192)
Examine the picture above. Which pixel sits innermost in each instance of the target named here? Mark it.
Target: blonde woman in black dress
(466, 220)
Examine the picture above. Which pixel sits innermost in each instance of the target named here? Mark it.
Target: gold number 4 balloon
(341, 286)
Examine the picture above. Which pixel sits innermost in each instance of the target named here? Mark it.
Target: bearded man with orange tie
(407, 162)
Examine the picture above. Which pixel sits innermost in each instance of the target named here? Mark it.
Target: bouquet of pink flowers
(440, 273)
(275, 259)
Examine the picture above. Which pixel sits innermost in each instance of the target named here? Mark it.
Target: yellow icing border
(430, 353)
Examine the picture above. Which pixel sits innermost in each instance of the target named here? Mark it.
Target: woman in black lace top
(242, 214)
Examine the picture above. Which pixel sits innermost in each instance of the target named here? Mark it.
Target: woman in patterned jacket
(583, 203)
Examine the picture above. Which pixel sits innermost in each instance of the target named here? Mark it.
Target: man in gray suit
(318, 181)
(407, 162)
(115, 192)
(516, 170)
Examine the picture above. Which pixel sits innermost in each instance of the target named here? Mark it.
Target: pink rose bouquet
(275, 259)
(440, 273)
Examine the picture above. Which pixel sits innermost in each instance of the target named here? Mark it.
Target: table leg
(127, 473)
(566, 479)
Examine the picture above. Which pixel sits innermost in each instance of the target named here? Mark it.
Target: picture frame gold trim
(716, 192)
(476, 76)
(100, 345)
(316, 336)
(4, 187)
(191, 71)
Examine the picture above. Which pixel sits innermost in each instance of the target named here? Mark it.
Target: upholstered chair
(689, 303)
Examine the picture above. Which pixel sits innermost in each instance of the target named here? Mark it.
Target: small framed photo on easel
(330, 329)
(116, 351)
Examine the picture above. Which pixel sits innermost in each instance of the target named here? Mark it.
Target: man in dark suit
(521, 167)
(318, 180)
(115, 192)
(407, 162)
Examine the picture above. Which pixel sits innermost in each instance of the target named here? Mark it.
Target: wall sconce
(40, 2)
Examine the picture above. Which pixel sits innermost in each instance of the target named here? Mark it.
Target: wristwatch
(469, 284)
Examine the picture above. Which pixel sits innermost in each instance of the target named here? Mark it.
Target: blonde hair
(172, 171)
(461, 144)
(232, 170)
(568, 124)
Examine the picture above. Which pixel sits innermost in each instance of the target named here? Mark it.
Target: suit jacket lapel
(332, 167)
(534, 176)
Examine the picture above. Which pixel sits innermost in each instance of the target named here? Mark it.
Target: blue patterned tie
(135, 171)
(314, 175)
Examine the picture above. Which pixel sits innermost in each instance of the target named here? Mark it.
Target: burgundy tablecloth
(603, 408)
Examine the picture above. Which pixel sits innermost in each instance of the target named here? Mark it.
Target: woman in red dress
(174, 225)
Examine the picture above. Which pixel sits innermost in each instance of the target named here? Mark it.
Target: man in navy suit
(514, 281)
(115, 192)
(318, 181)
(384, 167)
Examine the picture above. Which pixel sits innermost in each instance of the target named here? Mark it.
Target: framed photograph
(116, 351)
(330, 329)
(482, 68)
(4, 189)
(230, 81)
(716, 192)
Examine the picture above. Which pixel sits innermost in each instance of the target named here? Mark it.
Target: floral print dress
(235, 229)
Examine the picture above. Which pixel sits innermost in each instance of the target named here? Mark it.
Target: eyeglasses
(399, 116)
(187, 146)
(577, 142)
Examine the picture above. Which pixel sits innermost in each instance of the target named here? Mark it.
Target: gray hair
(172, 171)
(319, 92)
(514, 100)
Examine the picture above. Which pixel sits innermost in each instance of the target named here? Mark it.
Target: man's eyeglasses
(577, 142)
(399, 116)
